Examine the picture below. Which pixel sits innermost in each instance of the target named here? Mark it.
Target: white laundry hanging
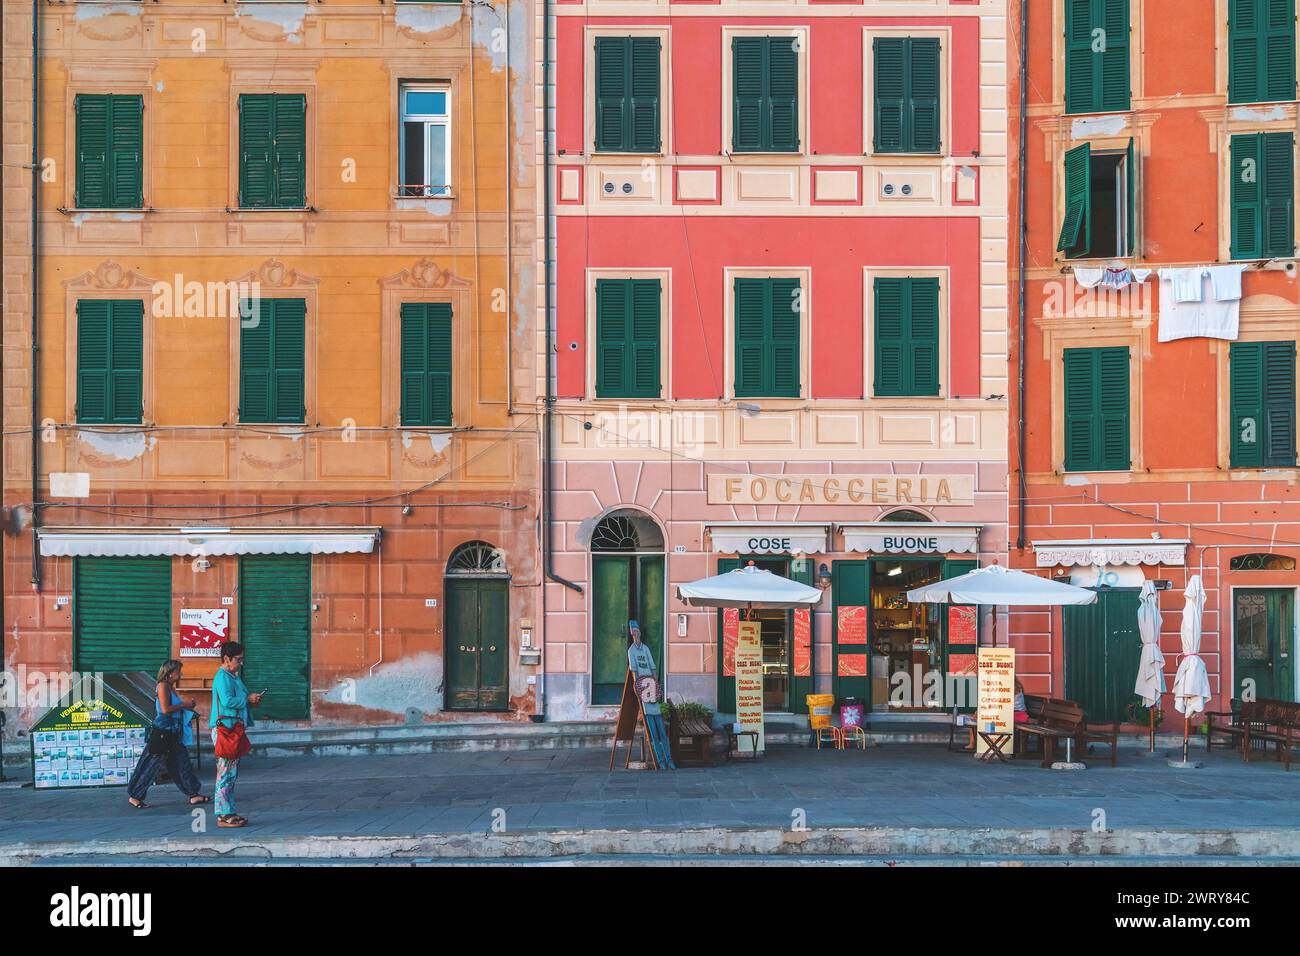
(1212, 313)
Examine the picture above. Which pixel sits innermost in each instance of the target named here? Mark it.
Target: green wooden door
(122, 614)
(1263, 622)
(726, 682)
(477, 643)
(275, 629)
(1102, 650)
(624, 587)
(851, 587)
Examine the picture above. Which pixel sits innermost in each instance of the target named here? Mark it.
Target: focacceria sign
(841, 489)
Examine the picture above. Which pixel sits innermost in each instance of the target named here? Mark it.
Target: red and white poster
(203, 630)
(802, 642)
(730, 628)
(851, 624)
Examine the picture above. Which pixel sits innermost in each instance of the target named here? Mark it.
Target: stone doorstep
(988, 843)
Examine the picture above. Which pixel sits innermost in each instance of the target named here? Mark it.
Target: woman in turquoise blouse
(230, 705)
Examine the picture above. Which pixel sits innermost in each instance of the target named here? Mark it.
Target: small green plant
(687, 710)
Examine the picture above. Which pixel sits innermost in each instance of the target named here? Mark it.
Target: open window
(425, 141)
(1100, 199)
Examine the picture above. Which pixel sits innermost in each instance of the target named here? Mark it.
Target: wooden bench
(691, 740)
(1033, 710)
(1062, 720)
(1260, 722)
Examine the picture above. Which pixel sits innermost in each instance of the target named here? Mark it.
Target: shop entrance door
(1263, 630)
(478, 643)
(1102, 650)
(275, 629)
(623, 588)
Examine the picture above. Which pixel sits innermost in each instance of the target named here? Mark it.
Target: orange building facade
(282, 376)
(1157, 403)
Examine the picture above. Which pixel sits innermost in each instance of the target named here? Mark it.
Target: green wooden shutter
(110, 151)
(426, 356)
(1097, 409)
(906, 336)
(110, 361)
(289, 152)
(627, 338)
(1262, 397)
(1245, 171)
(272, 349)
(785, 303)
(1130, 174)
(643, 86)
(767, 338)
(272, 150)
(275, 629)
(1102, 649)
(751, 340)
(1261, 51)
(1277, 192)
(923, 80)
(127, 154)
(93, 189)
(612, 55)
(850, 586)
(256, 130)
(889, 86)
(782, 95)
(122, 614)
(1096, 56)
(726, 683)
(1076, 227)
(747, 64)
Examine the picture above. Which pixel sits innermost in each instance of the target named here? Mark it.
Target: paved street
(888, 786)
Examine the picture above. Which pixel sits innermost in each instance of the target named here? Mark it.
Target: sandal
(134, 805)
(231, 820)
(199, 799)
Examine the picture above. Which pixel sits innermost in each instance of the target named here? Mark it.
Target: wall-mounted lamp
(824, 576)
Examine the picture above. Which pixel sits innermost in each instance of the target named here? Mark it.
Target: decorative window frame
(1264, 318)
(110, 281)
(944, 35)
(1136, 57)
(869, 275)
(421, 86)
(119, 76)
(274, 280)
(426, 281)
(1242, 120)
(273, 76)
(665, 276)
(729, 276)
(801, 32)
(437, 69)
(589, 35)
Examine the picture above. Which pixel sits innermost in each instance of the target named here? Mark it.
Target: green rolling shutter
(123, 614)
(272, 354)
(426, 363)
(1262, 195)
(110, 361)
(1261, 51)
(1102, 653)
(906, 336)
(1097, 409)
(275, 629)
(627, 94)
(627, 338)
(1262, 397)
(1096, 56)
(906, 92)
(765, 94)
(110, 151)
(272, 150)
(767, 338)
(1076, 227)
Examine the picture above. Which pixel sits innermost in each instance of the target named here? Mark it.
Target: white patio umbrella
(1191, 683)
(748, 587)
(996, 585)
(1150, 682)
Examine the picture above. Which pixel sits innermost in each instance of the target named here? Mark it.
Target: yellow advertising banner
(749, 681)
(996, 678)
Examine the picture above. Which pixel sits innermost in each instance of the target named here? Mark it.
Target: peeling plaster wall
(412, 683)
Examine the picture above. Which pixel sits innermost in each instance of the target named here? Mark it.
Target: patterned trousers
(227, 773)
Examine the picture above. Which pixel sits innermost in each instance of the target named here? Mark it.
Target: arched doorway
(477, 633)
(627, 583)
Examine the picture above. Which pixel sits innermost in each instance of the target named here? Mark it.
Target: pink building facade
(779, 319)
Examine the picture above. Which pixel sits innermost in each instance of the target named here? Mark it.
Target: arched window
(906, 514)
(476, 558)
(626, 531)
(1261, 561)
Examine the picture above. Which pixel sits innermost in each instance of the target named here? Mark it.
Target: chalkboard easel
(630, 714)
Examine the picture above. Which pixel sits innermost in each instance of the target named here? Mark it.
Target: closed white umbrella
(1151, 666)
(1191, 683)
(748, 587)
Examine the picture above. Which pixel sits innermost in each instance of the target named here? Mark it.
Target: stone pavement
(890, 786)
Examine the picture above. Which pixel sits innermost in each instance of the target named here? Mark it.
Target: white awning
(791, 537)
(1102, 551)
(911, 537)
(203, 542)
